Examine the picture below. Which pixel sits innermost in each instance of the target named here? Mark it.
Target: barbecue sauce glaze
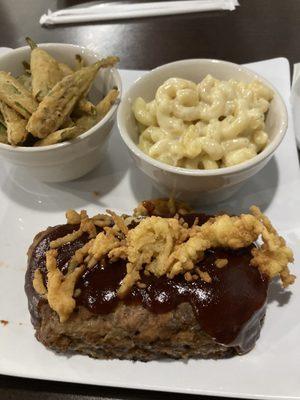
(230, 308)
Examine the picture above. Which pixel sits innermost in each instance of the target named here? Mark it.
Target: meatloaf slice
(135, 328)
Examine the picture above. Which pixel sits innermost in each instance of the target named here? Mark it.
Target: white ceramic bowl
(72, 159)
(198, 186)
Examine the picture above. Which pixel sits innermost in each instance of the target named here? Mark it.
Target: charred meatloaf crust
(213, 309)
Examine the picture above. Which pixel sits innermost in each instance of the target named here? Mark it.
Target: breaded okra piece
(15, 125)
(65, 69)
(45, 71)
(57, 106)
(105, 104)
(83, 106)
(102, 108)
(58, 136)
(25, 80)
(3, 134)
(13, 93)
(26, 67)
(68, 123)
(2, 120)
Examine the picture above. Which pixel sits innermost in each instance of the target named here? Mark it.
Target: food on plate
(15, 124)
(25, 80)
(58, 104)
(14, 94)
(3, 133)
(45, 71)
(40, 106)
(206, 125)
(59, 136)
(87, 121)
(162, 283)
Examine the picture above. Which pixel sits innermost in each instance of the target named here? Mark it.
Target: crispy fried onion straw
(161, 246)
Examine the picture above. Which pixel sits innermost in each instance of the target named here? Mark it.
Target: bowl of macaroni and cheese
(200, 128)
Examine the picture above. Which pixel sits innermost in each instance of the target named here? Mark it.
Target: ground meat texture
(130, 332)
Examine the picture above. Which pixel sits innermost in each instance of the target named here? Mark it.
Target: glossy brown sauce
(229, 309)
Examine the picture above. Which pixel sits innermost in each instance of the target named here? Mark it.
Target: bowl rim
(267, 152)
(117, 78)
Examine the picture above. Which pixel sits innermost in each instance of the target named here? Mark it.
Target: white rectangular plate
(270, 371)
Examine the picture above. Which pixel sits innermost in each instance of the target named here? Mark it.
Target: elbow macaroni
(208, 125)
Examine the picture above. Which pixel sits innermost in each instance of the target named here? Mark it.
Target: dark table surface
(257, 30)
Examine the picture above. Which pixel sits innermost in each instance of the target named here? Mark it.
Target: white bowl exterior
(68, 160)
(197, 189)
(197, 186)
